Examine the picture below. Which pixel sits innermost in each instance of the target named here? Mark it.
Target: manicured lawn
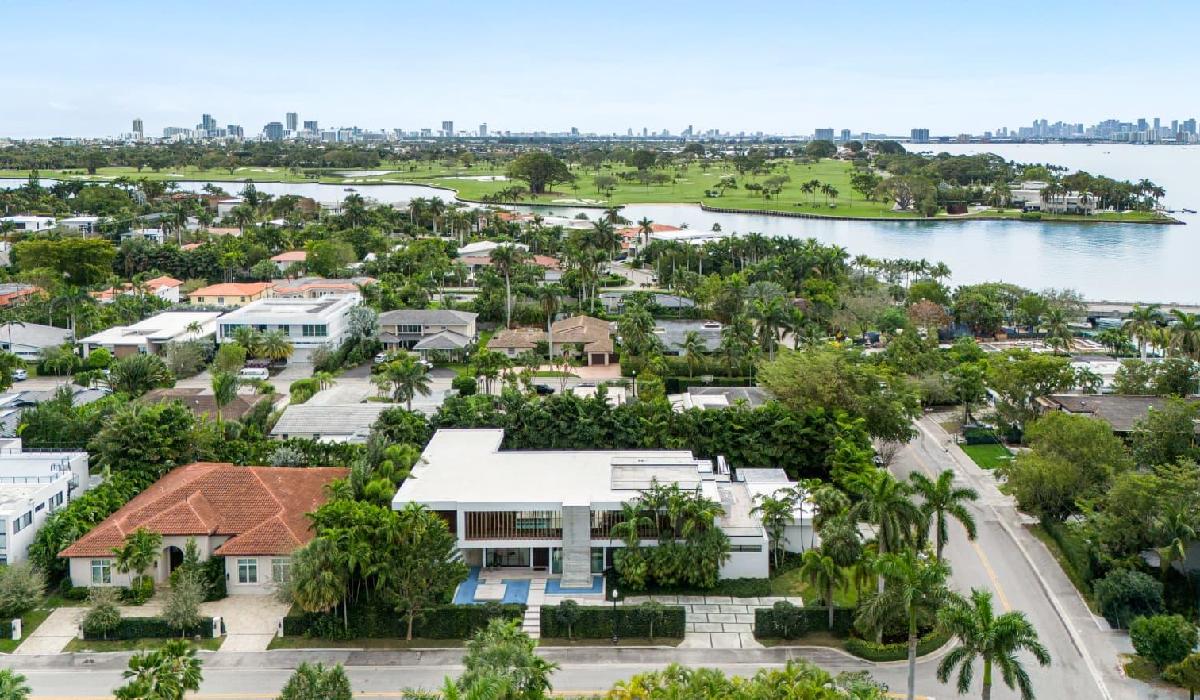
(311, 643)
(813, 638)
(29, 621)
(789, 583)
(988, 456)
(136, 644)
(552, 373)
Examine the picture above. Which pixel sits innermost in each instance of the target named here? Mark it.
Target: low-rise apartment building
(308, 323)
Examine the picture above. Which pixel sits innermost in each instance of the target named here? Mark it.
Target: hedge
(869, 650)
(151, 628)
(1079, 555)
(596, 622)
(815, 619)
(383, 622)
(6, 629)
(680, 384)
(978, 435)
(733, 587)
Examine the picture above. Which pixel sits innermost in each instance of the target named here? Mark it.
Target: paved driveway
(250, 620)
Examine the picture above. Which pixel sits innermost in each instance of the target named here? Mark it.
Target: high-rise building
(138, 129)
(823, 134)
(311, 127)
(919, 136)
(483, 130)
(845, 135)
(273, 131)
(207, 122)
(448, 129)
(293, 121)
(234, 131)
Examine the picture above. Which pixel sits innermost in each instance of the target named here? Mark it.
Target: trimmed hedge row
(381, 622)
(596, 622)
(768, 623)
(151, 628)
(6, 629)
(869, 650)
(734, 587)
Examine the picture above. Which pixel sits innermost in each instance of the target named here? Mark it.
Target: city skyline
(701, 65)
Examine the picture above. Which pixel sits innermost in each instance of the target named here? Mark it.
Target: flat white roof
(170, 325)
(468, 466)
(275, 307)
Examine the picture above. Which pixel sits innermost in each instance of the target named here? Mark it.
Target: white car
(381, 358)
(20, 375)
(250, 373)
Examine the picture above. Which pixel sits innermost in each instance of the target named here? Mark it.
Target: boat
(1188, 211)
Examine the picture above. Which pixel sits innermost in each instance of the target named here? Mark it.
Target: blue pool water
(554, 587)
(515, 590)
(465, 595)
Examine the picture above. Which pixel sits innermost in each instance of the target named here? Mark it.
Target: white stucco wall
(266, 584)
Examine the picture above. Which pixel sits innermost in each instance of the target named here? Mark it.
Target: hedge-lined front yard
(383, 622)
(597, 622)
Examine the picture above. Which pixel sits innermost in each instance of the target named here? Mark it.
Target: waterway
(1123, 262)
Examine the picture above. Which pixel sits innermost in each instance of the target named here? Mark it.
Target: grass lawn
(29, 622)
(988, 456)
(552, 373)
(135, 644)
(814, 638)
(789, 583)
(311, 643)
(607, 642)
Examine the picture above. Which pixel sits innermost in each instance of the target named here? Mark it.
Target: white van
(250, 373)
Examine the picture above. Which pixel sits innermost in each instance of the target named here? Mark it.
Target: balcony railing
(513, 525)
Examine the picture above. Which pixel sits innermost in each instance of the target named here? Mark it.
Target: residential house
(717, 397)
(550, 267)
(308, 323)
(154, 235)
(254, 517)
(428, 330)
(150, 335)
(230, 293)
(1029, 196)
(289, 259)
(553, 510)
(226, 205)
(335, 424)
(85, 225)
(485, 248)
(16, 292)
(672, 333)
(317, 287)
(583, 337)
(614, 302)
(163, 287)
(202, 402)
(28, 223)
(1121, 411)
(32, 486)
(634, 239)
(27, 340)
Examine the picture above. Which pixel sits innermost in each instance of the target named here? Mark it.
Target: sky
(88, 68)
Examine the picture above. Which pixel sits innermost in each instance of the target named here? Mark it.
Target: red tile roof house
(255, 517)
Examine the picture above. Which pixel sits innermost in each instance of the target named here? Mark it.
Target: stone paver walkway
(53, 634)
(717, 622)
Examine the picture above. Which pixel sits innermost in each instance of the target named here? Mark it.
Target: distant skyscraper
(845, 134)
(138, 129)
(919, 136)
(483, 130)
(293, 121)
(574, 131)
(273, 131)
(207, 122)
(447, 128)
(235, 132)
(311, 126)
(823, 134)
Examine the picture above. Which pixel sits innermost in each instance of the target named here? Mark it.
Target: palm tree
(319, 577)
(137, 374)
(633, 522)
(1141, 321)
(942, 498)
(166, 673)
(549, 296)
(645, 228)
(249, 338)
(693, 347)
(1058, 330)
(138, 553)
(408, 378)
(277, 346)
(1178, 529)
(1185, 334)
(12, 685)
(505, 260)
(994, 640)
(776, 513)
(224, 386)
(884, 503)
(820, 571)
(916, 589)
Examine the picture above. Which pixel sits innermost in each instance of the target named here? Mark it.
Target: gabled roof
(262, 510)
(291, 256)
(446, 340)
(593, 334)
(426, 317)
(203, 403)
(160, 282)
(329, 421)
(232, 289)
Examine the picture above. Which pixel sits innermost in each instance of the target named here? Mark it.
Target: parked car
(19, 375)
(250, 373)
(543, 389)
(385, 357)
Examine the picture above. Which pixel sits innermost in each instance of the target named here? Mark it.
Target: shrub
(181, 609)
(464, 385)
(1163, 639)
(769, 625)
(872, 651)
(1031, 216)
(21, 589)
(150, 628)
(303, 389)
(732, 587)
(75, 593)
(380, 621)
(1125, 594)
(102, 617)
(596, 622)
(139, 591)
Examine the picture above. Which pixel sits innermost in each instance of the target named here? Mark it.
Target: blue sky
(88, 68)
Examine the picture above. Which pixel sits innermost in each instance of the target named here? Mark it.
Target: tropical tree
(549, 297)
(1185, 334)
(506, 260)
(1142, 320)
(693, 347)
(995, 641)
(315, 681)
(407, 378)
(319, 578)
(1058, 330)
(13, 685)
(138, 553)
(166, 673)
(885, 504)
(916, 589)
(503, 650)
(422, 566)
(941, 499)
(137, 374)
(820, 571)
(276, 346)
(776, 513)
(224, 387)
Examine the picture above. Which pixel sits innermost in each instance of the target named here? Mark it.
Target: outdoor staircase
(532, 623)
(577, 547)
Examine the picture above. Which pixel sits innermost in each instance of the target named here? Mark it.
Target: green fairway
(988, 456)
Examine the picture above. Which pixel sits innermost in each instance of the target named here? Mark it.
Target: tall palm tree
(1185, 334)
(166, 673)
(693, 347)
(1178, 529)
(1141, 321)
(645, 229)
(1058, 330)
(941, 498)
(549, 296)
(993, 640)
(885, 504)
(277, 346)
(916, 589)
(224, 386)
(138, 553)
(820, 571)
(506, 259)
(409, 378)
(248, 338)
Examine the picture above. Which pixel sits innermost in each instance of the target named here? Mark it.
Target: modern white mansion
(32, 486)
(552, 510)
(308, 323)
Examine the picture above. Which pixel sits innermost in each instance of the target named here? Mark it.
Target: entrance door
(498, 558)
(541, 558)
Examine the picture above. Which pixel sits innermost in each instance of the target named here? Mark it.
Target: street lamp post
(615, 638)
